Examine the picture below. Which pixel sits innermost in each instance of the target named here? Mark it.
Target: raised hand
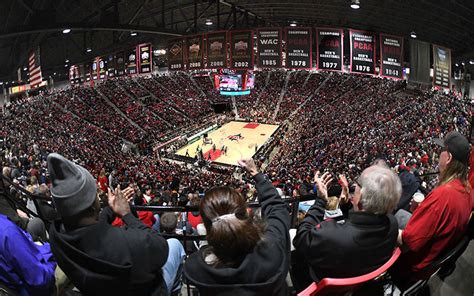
(344, 197)
(322, 183)
(118, 201)
(249, 165)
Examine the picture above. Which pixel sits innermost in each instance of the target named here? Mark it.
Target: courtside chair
(341, 286)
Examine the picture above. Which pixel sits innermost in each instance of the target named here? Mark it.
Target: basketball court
(242, 140)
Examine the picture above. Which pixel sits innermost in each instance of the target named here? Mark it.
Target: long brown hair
(229, 239)
(455, 170)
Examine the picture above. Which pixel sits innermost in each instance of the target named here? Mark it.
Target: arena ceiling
(104, 26)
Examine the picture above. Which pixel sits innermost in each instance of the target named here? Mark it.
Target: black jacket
(358, 246)
(264, 270)
(104, 260)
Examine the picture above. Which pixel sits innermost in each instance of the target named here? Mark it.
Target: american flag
(34, 68)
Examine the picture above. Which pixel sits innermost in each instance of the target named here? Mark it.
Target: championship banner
(102, 67)
(362, 52)
(241, 49)
(217, 50)
(391, 56)
(111, 66)
(195, 52)
(120, 63)
(144, 60)
(82, 73)
(269, 48)
(175, 54)
(298, 48)
(441, 66)
(87, 71)
(73, 74)
(132, 61)
(95, 69)
(329, 48)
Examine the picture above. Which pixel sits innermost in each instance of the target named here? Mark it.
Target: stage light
(413, 34)
(66, 31)
(463, 64)
(457, 65)
(355, 4)
(24, 69)
(208, 22)
(66, 61)
(133, 34)
(293, 24)
(88, 49)
(471, 62)
(65, 66)
(1, 82)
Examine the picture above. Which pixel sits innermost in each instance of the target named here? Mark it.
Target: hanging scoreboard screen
(362, 52)
(144, 58)
(195, 52)
(241, 51)
(298, 48)
(175, 54)
(217, 50)
(132, 61)
(269, 48)
(391, 56)
(329, 49)
(441, 66)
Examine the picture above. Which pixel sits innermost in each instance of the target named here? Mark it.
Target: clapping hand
(119, 200)
(344, 197)
(322, 183)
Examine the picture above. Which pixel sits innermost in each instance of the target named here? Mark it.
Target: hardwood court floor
(239, 137)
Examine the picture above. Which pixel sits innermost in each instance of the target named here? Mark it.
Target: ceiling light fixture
(24, 69)
(471, 62)
(463, 64)
(66, 61)
(133, 34)
(66, 31)
(293, 24)
(457, 65)
(355, 4)
(208, 22)
(88, 49)
(413, 34)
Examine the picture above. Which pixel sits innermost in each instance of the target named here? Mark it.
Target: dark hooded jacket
(263, 271)
(101, 259)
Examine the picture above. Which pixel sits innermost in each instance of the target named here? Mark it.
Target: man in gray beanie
(98, 258)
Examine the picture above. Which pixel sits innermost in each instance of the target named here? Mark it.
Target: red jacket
(436, 226)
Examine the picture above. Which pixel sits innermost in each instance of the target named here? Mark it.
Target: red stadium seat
(330, 286)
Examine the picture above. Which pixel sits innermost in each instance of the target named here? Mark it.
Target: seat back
(341, 286)
(444, 260)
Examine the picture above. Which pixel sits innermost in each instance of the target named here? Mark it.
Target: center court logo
(235, 137)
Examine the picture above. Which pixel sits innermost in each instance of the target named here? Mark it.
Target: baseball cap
(457, 145)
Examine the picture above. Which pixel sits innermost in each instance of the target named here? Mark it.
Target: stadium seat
(470, 227)
(332, 286)
(442, 267)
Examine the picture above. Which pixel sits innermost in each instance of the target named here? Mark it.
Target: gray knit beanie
(73, 187)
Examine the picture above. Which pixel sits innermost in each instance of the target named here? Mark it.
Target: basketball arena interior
(224, 147)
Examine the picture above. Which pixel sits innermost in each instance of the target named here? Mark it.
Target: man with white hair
(366, 239)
